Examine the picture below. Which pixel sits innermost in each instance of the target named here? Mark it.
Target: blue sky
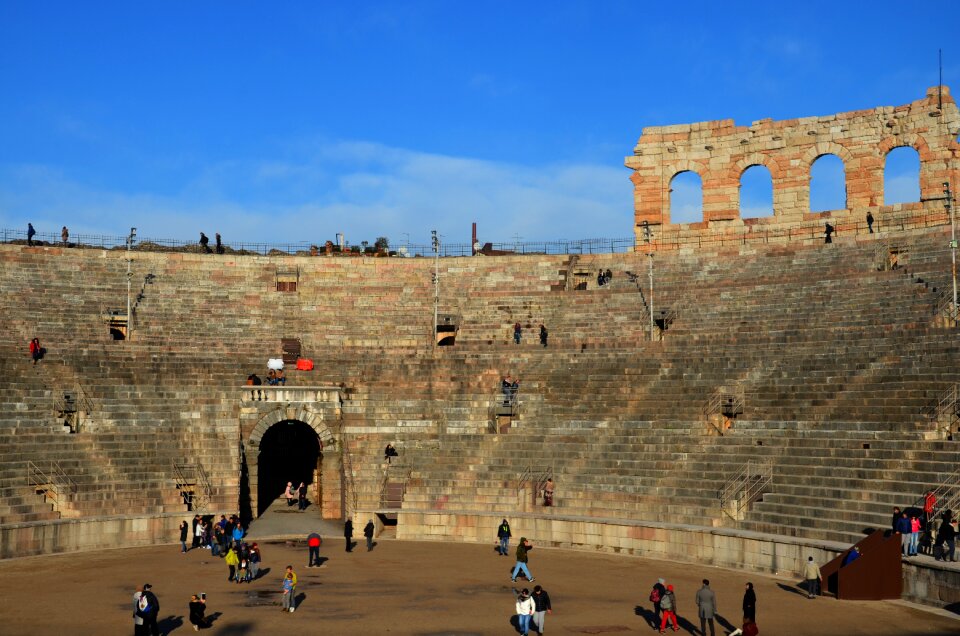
(292, 121)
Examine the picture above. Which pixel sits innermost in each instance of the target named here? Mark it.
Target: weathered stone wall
(720, 152)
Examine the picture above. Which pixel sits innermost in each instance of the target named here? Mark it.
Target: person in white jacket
(525, 610)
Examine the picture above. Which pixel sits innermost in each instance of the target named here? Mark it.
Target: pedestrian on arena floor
(237, 533)
(289, 590)
(368, 533)
(905, 531)
(217, 541)
(302, 496)
(313, 549)
(138, 628)
(517, 333)
(197, 608)
(150, 609)
(869, 222)
(828, 231)
(525, 609)
(243, 567)
(548, 493)
(503, 535)
(749, 603)
(348, 534)
(656, 596)
(895, 518)
(204, 242)
(706, 607)
(522, 550)
(219, 244)
(749, 629)
(914, 535)
(197, 531)
(668, 604)
(255, 559)
(30, 234)
(232, 560)
(543, 335)
(542, 607)
(65, 235)
(184, 530)
(36, 351)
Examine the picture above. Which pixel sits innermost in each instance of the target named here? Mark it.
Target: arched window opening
(756, 193)
(686, 198)
(828, 184)
(901, 176)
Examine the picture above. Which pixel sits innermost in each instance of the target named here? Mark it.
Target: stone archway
(270, 433)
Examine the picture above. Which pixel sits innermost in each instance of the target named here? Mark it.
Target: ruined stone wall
(720, 152)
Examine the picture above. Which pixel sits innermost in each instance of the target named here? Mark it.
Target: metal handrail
(747, 485)
(53, 484)
(947, 404)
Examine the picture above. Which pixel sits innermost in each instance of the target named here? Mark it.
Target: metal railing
(747, 486)
(538, 475)
(945, 408)
(70, 404)
(194, 484)
(726, 402)
(506, 401)
(54, 484)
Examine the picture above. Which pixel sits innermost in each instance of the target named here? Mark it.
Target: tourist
(232, 560)
(243, 566)
(30, 234)
(184, 530)
(197, 532)
(706, 607)
(749, 603)
(828, 231)
(506, 387)
(904, 530)
(237, 533)
(851, 556)
(302, 496)
(929, 506)
(811, 574)
(946, 538)
(219, 244)
(749, 629)
(36, 351)
(543, 335)
(255, 558)
(280, 377)
(657, 592)
(895, 518)
(368, 533)
(150, 608)
(914, 535)
(218, 541)
(541, 602)
(668, 604)
(548, 493)
(313, 549)
(600, 279)
(389, 453)
(288, 494)
(348, 534)
(517, 333)
(64, 235)
(525, 609)
(271, 378)
(138, 628)
(204, 242)
(254, 380)
(503, 535)
(869, 222)
(289, 590)
(198, 607)
(522, 558)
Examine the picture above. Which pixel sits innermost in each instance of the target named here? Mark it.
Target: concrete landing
(280, 521)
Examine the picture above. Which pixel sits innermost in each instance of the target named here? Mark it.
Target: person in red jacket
(36, 351)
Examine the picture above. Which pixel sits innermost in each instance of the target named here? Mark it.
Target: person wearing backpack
(138, 628)
(149, 608)
(656, 594)
(668, 603)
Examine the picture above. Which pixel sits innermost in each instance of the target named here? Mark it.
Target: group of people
(531, 608)
(604, 277)
(296, 495)
(243, 562)
(205, 243)
(923, 530)
(664, 599)
(509, 387)
(216, 537)
(368, 532)
(518, 334)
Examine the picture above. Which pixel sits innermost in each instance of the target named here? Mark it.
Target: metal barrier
(747, 486)
(194, 485)
(54, 484)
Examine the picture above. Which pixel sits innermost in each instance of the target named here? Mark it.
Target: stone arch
(928, 186)
(675, 169)
(329, 446)
(810, 157)
(771, 163)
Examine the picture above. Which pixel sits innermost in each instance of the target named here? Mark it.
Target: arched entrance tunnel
(289, 451)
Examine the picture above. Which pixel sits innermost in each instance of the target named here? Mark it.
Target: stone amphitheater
(778, 399)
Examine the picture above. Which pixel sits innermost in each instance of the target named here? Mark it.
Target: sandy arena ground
(413, 588)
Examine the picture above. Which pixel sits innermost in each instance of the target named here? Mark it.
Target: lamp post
(130, 239)
(948, 201)
(435, 241)
(647, 236)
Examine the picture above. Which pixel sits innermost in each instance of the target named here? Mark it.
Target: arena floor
(413, 588)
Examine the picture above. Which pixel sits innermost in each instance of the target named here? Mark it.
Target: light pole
(647, 237)
(130, 239)
(948, 201)
(435, 240)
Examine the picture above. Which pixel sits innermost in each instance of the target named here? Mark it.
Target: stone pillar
(331, 507)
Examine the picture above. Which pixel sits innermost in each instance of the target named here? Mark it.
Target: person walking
(543, 335)
(946, 538)
(828, 231)
(914, 535)
(368, 533)
(313, 549)
(65, 236)
(657, 592)
(668, 604)
(30, 234)
(869, 222)
(138, 629)
(541, 603)
(204, 242)
(237, 533)
(184, 530)
(503, 534)
(36, 351)
(517, 333)
(811, 574)
(289, 590)
(749, 604)
(348, 534)
(198, 609)
(150, 608)
(525, 609)
(232, 560)
(522, 558)
(197, 531)
(706, 607)
(219, 243)
(904, 530)
(302, 496)
(255, 561)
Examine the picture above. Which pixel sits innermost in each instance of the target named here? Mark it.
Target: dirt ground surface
(414, 588)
